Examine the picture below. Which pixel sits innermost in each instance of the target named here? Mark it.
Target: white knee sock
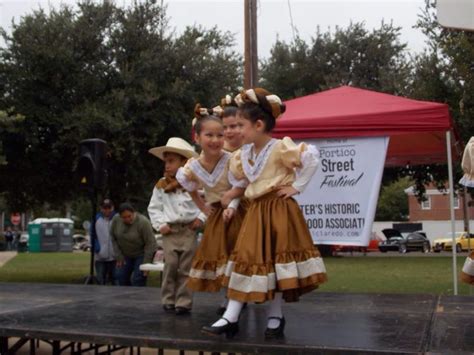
(274, 310)
(231, 313)
(225, 302)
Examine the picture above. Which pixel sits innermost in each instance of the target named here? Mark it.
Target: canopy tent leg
(451, 209)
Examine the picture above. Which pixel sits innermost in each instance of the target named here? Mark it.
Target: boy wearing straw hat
(174, 214)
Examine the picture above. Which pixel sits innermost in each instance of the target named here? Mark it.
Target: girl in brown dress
(274, 257)
(210, 172)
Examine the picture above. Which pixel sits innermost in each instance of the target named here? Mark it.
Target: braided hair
(229, 106)
(203, 115)
(259, 104)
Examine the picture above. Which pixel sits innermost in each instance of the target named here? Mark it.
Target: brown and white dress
(467, 273)
(218, 241)
(274, 251)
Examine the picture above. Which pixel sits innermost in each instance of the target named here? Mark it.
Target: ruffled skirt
(274, 253)
(212, 255)
(467, 273)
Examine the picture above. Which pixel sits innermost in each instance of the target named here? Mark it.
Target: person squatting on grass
(174, 214)
(134, 244)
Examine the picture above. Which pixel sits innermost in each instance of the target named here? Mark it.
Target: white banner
(340, 201)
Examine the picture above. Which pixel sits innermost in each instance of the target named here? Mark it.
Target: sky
(274, 20)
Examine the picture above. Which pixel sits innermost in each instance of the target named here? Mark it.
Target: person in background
(233, 139)
(9, 236)
(134, 244)
(103, 247)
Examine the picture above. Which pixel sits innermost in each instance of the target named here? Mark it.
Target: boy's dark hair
(126, 206)
(183, 158)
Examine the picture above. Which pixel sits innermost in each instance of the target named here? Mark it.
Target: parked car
(462, 242)
(416, 241)
(373, 246)
(81, 242)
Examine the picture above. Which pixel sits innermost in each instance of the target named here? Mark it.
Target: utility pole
(251, 55)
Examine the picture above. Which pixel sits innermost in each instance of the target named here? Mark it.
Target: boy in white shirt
(174, 214)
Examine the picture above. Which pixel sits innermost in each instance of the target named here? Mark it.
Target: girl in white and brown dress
(233, 140)
(210, 171)
(274, 258)
(467, 273)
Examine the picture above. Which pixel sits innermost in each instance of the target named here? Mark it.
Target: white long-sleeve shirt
(173, 207)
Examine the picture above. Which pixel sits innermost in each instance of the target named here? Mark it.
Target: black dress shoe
(229, 329)
(168, 307)
(180, 311)
(221, 310)
(275, 333)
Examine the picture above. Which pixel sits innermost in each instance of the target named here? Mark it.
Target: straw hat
(174, 145)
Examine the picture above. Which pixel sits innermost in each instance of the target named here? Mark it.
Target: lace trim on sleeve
(185, 182)
(243, 183)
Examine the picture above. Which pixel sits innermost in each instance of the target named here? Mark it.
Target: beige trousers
(179, 247)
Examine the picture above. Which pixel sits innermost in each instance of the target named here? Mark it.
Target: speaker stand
(91, 279)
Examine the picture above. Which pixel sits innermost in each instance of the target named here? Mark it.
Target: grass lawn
(397, 274)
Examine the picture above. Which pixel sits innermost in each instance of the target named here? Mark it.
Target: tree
(101, 71)
(393, 201)
(378, 61)
(350, 56)
(443, 73)
(8, 124)
(450, 59)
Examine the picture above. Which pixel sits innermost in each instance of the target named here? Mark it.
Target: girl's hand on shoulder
(228, 214)
(287, 192)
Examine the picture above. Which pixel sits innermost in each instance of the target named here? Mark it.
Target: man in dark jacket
(134, 244)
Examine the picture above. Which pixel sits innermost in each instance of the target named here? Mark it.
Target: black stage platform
(324, 323)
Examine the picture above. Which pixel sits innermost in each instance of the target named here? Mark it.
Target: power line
(293, 28)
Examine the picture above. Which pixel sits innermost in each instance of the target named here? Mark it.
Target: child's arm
(201, 203)
(155, 211)
(309, 165)
(229, 212)
(304, 173)
(230, 195)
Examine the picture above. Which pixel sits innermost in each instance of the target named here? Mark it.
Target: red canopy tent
(417, 129)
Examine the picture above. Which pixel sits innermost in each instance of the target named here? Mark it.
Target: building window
(456, 202)
(426, 204)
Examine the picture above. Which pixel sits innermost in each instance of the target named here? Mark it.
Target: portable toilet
(34, 237)
(55, 234)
